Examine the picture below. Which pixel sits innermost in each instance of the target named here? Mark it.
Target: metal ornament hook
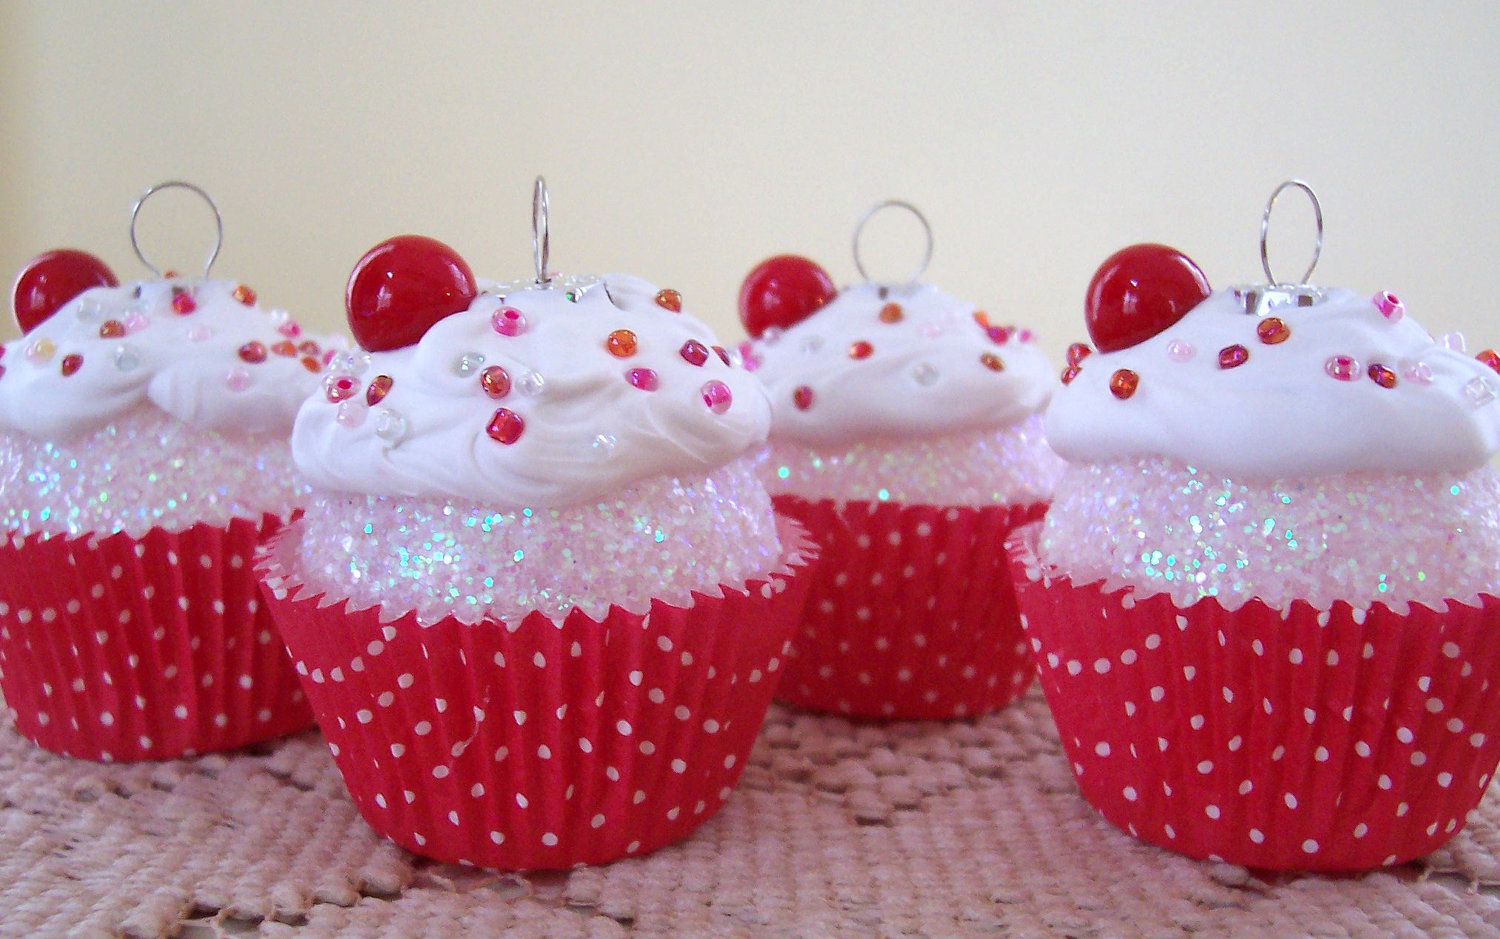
(1265, 227)
(894, 204)
(135, 211)
(541, 246)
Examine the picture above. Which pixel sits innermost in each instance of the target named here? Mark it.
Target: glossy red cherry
(401, 287)
(783, 291)
(1138, 292)
(51, 280)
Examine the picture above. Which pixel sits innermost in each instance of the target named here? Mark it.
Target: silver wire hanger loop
(1265, 228)
(135, 212)
(859, 229)
(541, 246)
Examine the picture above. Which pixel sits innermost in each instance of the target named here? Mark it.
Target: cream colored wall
(686, 141)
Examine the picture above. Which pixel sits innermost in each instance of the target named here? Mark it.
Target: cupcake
(539, 600)
(1263, 602)
(144, 451)
(905, 435)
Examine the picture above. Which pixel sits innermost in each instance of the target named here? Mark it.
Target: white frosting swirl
(587, 429)
(111, 349)
(929, 367)
(1282, 413)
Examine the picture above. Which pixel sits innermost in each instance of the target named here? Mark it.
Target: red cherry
(1138, 292)
(401, 287)
(783, 291)
(51, 280)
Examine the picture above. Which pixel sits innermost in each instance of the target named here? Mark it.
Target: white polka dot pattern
(150, 648)
(1335, 740)
(911, 614)
(542, 745)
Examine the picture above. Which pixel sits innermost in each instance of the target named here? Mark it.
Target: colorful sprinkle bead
(643, 378)
(71, 363)
(982, 318)
(244, 295)
(860, 350)
(1454, 341)
(183, 302)
(253, 352)
(1068, 374)
(467, 364)
(1381, 375)
(621, 343)
(508, 321)
(127, 359)
(1342, 367)
(992, 362)
(716, 396)
(1479, 392)
(1233, 356)
(693, 352)
(1417, 372)
(506, 426)
(237, 379)
(1123, 382)
(379, 387)
(1180, 350)
(748, 358)
(1389, 305)
(111, 329)
(351, 414)
(802, 397)
(290, 329)
(339, 387)
(723, 355)
(1079, 351)
(999, 335)
(890, 313)
(286, 348)
(1273, 331)
(308, 347)
(1491, 358)
(198, 333)
(40, 350)
(135, 321)
(495, 381)
(669, 299)
(311, 363)
(390, 426)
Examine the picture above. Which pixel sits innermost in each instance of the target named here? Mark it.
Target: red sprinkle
(722, 354)
(861, 350)
(253, 352)
(992, 362)
(495, 381)
(1272, 330)
(890, 313)
(1123, 382)
(380, 386)
(1233, 356)
(669, 299)
(312, 364)
(71, 364)
(1491, 358)
(693, 352)
(183, 302)
(1382, 376)
(506, 426)
(284, 347)
(111, 329)
(1068, 374)
(1079, 351)
(643, 378)
(244, 295)
(802, 397)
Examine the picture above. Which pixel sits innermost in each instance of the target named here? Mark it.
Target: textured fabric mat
(970, 828)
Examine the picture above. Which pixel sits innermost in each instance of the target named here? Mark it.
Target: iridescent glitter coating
(144, 469)
(1160, 526)
(1000, 466)
(663, 538)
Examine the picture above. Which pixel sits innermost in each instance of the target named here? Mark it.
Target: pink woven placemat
(841, 830)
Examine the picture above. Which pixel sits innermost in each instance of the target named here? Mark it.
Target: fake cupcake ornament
(906, 435)
(143, 454)
(1263, 602)
(540, 599)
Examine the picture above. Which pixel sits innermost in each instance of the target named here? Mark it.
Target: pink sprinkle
(1342, 367)
(135, 322)
(643, 378)
(339, 387)
(716, 395)
(238, 379)
(999, 335)
(351, 414)
(1389, 305)
(1025, 335)
(508, 321)
(747, 357)
(1417, 372)
(1180, 350)
(289, 329)
(198, 333)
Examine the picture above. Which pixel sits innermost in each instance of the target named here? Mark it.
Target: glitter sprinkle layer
(1364, 538)
(663, 538)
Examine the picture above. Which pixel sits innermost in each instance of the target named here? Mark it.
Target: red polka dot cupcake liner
(150, 648)
(540, 744)
(1343, 739)
(911, 614)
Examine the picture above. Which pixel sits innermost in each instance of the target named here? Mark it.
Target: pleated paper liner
(911, 614)
(542, 745)
(123, 648)
(1317, 740)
